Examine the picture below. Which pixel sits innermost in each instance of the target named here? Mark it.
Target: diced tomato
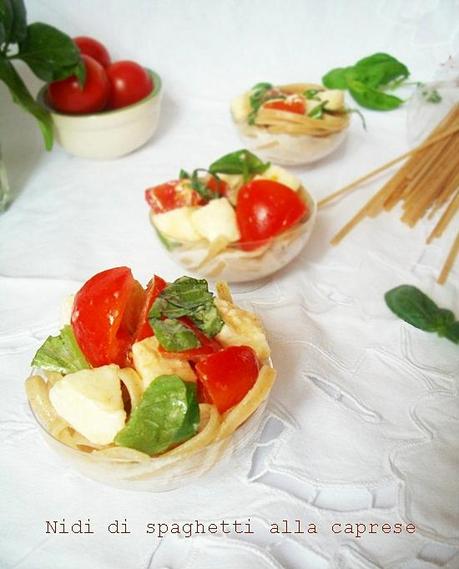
(297, 105)
(208, 345)
(218, 186)
(105, 316)
(171, 195)
(154, 289)
(264, 209)
(227, 375)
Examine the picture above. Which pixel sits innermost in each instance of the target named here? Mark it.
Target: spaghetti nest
(284, 122)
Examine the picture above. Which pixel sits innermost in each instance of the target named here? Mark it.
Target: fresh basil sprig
(61, 353)
(184, 297)
(240, 162)
(196, 184)
(413, 306)
(317, 112)
(50, 54)
(368, 79)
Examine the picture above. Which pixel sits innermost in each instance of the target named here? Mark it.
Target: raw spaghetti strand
(452, 255)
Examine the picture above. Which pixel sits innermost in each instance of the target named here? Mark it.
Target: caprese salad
(166, 368)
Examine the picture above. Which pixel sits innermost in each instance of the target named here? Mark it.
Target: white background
(363, 421)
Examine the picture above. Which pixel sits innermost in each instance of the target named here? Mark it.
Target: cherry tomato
(129, 83)
(297, 106)
(171, 195)
(226, 376)
(266, 208)
(93, 48)
(106, 314)
(208, 345)
(218, 186)
(154, 289)
(67, 96)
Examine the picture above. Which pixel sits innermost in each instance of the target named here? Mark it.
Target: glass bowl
(164, 473)
(234, 264)
(108, 134)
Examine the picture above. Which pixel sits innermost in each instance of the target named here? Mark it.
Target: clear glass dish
(164, 473)
(234, 264)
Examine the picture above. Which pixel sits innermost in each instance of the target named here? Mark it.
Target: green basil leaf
(207, 319)
(431, 95)
(61, 353)
(452, 332)
(167, 414)
(187, 292)
(443, 321)
(372, 98)
(239, 162)
(200, 188)
(310, 94)
(336, 78)
(6, 21)
(380, 69)
(258, 95)
(183, 175)
(18, 30)
(318, 111)
(22, 97)
(174, 336)
(51, 54)
(413, 306)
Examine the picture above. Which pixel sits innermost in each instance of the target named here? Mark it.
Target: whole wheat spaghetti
(426, 185)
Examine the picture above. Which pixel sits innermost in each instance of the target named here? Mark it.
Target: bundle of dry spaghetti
(426, 185)
(281, 121)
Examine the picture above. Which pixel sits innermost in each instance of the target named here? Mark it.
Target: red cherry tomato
(208, 345)
(106, 314)
(227, 376)
(171, 195)
(93, 48)
(297, 106)
(217, 186)
(67, 96)
(129, 83)
(154, 289)
(266, 208)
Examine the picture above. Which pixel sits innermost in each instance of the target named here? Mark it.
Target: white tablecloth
(363, 420)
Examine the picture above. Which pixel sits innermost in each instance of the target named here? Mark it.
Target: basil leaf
(51, 54)
(167, 414)
(372, 98)
(336, 78)
(207, 319)
(187, 292)
(61, 353)
(205, 192)
(239, 162)
(413, 306)
(6, 21)
(318, 111)
(18, 29)
(257, 98)
(379, 69)
(173, 335)
(22, 97)
(310, 94)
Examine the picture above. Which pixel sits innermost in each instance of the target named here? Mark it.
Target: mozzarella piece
(240, 107)
(150, 364)
(278, 174)
(66, 310)
(90, 401)
(176, 224)
(241, 328)
(216, 219)
(334, 98)
(235, 183)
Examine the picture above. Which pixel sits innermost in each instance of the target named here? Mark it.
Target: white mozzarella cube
(150, 364)
(90, 401)
(240, 107)
(216, 219)
(176, 224)
(334, 98)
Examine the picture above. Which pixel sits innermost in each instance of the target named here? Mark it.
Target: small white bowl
(108, 134)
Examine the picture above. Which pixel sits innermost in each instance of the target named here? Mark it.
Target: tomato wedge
(105, 316)
(154, 289)
(297, 106)
(208, 345)
(227, 375)
(171, 195)
(264, 209)
(218, 186)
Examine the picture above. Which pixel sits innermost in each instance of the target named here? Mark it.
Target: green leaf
(22, 97)
(380, 69)
(239, 162)
(258, 95)
(200, 188)
(61, 353)
(336, 78)
(318, 111)
(174, 336)
(413, 306)
(18, 30)
(372, 98)
(167, 414)
(51, 54)
(310, 94)
(6, 21)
